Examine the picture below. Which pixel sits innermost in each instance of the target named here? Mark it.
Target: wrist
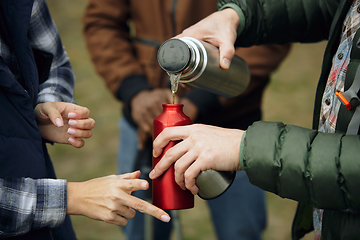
(241, 151)
(236, 14)
(72, 199)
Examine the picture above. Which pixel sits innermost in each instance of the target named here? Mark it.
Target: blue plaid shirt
(43, 35)
(27, 203)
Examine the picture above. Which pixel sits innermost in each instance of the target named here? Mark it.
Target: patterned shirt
(27, 203)
(330, 104)
(43, 36)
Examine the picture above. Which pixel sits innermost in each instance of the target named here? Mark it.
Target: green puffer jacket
(317, 169)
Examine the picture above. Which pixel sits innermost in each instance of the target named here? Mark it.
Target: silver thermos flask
(198, 63)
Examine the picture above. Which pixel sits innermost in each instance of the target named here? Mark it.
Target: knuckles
(140, 206)
(110, 217)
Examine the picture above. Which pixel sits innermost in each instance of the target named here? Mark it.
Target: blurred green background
(289, 99)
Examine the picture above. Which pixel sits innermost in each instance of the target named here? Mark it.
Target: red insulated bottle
(166, 193)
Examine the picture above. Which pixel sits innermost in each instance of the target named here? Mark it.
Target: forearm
(107, 37)
(131, 86)
(28, 204)
(303, 164)
(59, 87)
(279, 22)
(54, 70)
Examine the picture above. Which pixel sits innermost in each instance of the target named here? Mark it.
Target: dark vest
(22, 150)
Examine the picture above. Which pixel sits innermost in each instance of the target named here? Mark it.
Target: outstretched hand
(63, 122)
(203, 147)
(109, 199)
(218, 29)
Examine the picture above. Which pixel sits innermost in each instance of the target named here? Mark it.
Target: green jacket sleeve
(283, 21)
(319, 169)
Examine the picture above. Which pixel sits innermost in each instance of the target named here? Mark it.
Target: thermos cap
(173, 55)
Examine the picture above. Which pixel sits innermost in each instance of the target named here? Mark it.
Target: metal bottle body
(203, 68)
(166, 193)
(213, 184)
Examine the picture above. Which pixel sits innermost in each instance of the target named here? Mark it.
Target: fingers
(146, 106)
(50, 110)
(76, 111)
(145, 207)
(190, 176)
(141, 184)
(133, 184)
(184, 164)
(76, 142)
(109, 199)
(183, 160)
(173, 154)
(75, 120)
(144, 121)
(118, 212)
(77, 136)
(228, 37)
(79, 128)
(120, 217)
(78, 133)
(132, 175)
(87, 123)
(227, 52)
(116, 219)
(167, 135)
(162, 143)
(218, 29)
(79, 116)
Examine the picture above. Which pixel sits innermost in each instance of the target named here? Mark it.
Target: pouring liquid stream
(174, 79)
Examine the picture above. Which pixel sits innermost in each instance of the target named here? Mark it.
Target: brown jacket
(123, 38)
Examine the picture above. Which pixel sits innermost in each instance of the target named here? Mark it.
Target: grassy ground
(289, 98)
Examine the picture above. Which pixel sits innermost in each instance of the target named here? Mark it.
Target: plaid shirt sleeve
(43, 36)
(27, 204)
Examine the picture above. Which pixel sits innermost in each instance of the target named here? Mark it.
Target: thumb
(227, 52)
(54, 115)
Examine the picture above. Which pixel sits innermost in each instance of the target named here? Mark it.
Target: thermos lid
(173, 55)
